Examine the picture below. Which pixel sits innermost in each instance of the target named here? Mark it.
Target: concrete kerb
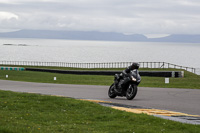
(164, 114)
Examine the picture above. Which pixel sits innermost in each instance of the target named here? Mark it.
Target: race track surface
(172, 99)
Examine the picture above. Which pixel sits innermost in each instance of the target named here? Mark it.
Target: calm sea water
(49, 50)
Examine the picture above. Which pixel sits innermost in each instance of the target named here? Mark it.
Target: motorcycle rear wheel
(111, 92)
(131, 92)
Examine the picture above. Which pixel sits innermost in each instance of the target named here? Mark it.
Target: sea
(81, 51)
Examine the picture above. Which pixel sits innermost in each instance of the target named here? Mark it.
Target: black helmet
(135, 65)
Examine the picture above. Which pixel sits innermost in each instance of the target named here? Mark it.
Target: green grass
(32, 113)
(44, 77)
(189, 81)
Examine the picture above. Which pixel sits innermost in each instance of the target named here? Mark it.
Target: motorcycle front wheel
(131, 92)
(111, 92)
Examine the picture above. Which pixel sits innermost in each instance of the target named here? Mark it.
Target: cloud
(125, 16)
(7, 15)
(156, 35)
(6, 21)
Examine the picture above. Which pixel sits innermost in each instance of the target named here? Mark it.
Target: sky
(149, 17)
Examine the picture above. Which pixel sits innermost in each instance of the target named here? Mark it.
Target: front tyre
(111, 92)
(131, 92)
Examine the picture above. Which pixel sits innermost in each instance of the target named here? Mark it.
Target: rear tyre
(111, 92)
(131, 92)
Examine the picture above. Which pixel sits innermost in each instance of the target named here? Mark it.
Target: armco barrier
(12, 68)
(142, 73)
(175, 74)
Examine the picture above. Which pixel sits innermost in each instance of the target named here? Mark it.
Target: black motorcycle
(129, 89)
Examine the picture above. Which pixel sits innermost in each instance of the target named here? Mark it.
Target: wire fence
(101, 65)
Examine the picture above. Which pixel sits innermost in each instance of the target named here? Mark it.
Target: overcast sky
(124, 16)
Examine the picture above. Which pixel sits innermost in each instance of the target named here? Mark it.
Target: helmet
(135, 65)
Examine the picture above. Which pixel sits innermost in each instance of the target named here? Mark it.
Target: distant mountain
(73, 35)
(94, 35)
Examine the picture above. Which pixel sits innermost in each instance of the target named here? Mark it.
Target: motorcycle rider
(125, 75)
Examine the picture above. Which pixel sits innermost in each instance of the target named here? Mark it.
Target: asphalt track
(172, 99)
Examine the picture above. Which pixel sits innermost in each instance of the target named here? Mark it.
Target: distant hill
(94, 35)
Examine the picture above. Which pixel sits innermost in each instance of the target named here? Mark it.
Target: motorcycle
(129, 89)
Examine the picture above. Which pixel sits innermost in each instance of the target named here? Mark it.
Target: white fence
(101, 65)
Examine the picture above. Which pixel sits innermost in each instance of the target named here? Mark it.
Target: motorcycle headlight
(134, 79)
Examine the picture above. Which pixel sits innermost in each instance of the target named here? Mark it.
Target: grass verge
(22, 113)
(189, 81)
